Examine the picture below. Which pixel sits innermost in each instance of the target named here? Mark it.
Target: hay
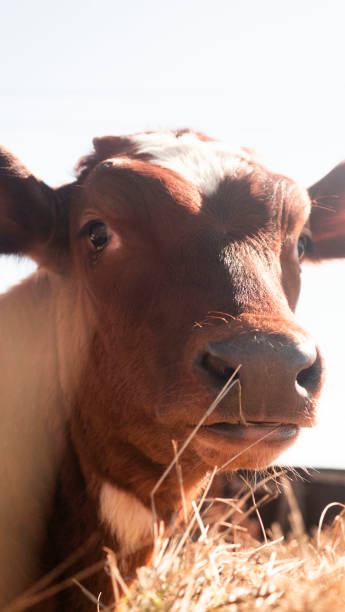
(228, 570)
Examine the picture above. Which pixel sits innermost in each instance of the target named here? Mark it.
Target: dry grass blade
(296, 519)
(193, 520)
(256, 507)
(180, 481)
(323, 516)
(238, 503)
(92, 598)
(25, 603)
(115, 574)
(201, 525)
(47, 579)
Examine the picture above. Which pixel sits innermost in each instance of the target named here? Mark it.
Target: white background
(266, 74)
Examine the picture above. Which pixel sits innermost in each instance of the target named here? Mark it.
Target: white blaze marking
(126, 517)
(116, 161)
(204, 163)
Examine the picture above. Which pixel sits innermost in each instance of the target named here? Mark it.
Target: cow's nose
(276, 373)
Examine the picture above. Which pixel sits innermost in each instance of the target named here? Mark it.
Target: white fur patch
(126, 517)
(204, 163)
(116, 161)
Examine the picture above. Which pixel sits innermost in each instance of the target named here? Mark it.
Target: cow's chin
(216, 449)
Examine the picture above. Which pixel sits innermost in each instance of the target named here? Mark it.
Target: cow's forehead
(202, 162)
(216, 170)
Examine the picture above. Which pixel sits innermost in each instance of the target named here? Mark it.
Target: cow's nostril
(310, 378)
(218, 370)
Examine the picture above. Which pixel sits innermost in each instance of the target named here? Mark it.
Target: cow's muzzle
(278, 381)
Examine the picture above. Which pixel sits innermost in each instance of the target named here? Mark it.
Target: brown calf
(168, 263)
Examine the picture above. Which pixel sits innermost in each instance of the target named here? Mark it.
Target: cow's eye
(98, 235)
(304, 246)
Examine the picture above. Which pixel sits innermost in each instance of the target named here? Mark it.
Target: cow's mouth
(252, 431)
(253, 445)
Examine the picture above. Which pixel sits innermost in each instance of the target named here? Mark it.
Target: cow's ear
(327, 219)
(27, 209)
(104, 148)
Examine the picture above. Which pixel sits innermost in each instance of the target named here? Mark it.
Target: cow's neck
(100, 514)
(87, 516)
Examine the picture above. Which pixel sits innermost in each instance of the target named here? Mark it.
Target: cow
(168, 267)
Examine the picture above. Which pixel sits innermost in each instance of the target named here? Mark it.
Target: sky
(266, 74)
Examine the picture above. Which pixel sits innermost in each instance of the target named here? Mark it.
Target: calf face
(190, 286)
(171, 264)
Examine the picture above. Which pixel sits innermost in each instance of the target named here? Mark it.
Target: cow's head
(173, 260)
